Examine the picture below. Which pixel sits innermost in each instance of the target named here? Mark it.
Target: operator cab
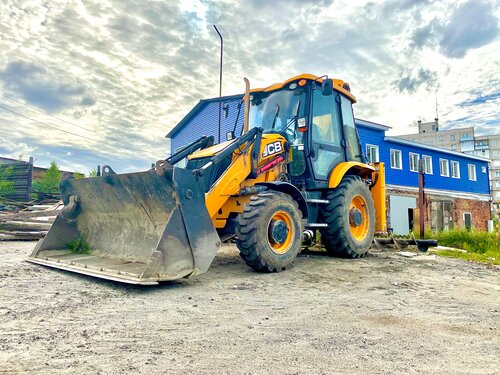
(315, 115)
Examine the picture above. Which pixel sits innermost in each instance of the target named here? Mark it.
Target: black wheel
(350, 216)
(269, 231)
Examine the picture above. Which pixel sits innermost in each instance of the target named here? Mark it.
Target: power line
(55, 117)
(43, 112)
(66, 131)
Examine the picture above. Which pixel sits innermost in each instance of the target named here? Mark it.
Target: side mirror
(230, 135)
(327, 87)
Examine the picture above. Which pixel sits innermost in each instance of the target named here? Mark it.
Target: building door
(399, 207)
(468, 220)
(411, 222)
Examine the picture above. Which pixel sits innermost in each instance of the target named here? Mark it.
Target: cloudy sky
(101, 82)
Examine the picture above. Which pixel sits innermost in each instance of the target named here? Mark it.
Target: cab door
(326, 134)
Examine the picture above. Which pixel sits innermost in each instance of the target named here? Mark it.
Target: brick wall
(480, 212)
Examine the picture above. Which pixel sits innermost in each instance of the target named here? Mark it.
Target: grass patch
(79, 246)
(483, 258)
(480, 246)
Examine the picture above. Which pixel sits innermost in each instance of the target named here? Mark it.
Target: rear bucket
(141, 228)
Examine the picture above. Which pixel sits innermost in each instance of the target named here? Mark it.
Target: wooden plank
(22, 226)
(23, 233)
(27, 237)
(38, 207)
(29, 214)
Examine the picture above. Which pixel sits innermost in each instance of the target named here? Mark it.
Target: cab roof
(338, 84)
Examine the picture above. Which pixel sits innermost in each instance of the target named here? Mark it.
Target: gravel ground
(385, 314)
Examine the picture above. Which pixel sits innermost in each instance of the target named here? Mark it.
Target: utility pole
(220, 79)
(421, 198)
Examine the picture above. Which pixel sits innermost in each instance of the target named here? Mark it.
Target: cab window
(351, 135)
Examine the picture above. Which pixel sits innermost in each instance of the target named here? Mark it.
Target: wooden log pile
(30, 224)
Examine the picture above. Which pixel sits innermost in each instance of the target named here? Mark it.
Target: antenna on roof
(437, 114)
(220, 78)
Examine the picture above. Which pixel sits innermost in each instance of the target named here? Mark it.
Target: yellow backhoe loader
(296, 173)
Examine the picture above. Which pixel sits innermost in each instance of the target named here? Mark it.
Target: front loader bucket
(141, 228)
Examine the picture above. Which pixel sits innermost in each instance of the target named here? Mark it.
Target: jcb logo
(272, 148)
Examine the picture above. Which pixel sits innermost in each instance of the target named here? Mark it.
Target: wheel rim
(280, 232)
(358, 218)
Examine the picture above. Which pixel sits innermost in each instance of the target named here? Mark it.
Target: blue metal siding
(205, 122)
(405, 177)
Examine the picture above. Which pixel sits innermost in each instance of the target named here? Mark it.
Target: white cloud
(13, 150)
(123, 73)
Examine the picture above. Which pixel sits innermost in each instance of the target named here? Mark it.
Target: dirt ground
(385, 314)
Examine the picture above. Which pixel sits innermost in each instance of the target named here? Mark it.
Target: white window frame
(418, 158)
(458, 168)
(368, 154)
(400, 158)
(430, 164)
(447, 174)
(468, 172)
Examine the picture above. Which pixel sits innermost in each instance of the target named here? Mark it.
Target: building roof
(437, 132)
(373, 125)
(434, 148)
(9, 161)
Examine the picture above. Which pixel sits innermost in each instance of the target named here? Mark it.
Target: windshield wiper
(293, 119)
(275, 116)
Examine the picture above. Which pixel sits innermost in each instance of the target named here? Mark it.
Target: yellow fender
(378, 189)
(338, 173)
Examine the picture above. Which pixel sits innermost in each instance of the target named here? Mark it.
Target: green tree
(6, 186)
(49, 182)
(92, 173)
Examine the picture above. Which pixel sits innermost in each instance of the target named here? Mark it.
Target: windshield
(273, 111)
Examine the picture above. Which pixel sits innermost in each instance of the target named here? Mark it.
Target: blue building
(456, 185)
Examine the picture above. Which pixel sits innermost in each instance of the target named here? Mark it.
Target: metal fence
(21, 173)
